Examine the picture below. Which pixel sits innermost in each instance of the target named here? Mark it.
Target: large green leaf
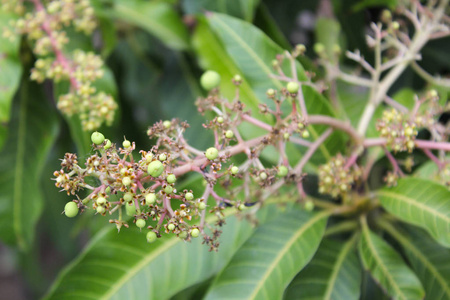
(32, 129)
(268, 261)
(333, 273)
(124, 266)
(388, 268)
(430, 261)
(10, 71)
(251, 50)
(420, 202)
(158, 18)
(244, 9)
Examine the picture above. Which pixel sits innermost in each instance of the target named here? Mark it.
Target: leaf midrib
(379, 260)
(18, 170)
(335, 270)
(288, 246)
(248, 50)
(133, 271)
(409, 246)
(414, 203)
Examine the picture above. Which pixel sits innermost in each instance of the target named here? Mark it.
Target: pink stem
(167, 206)
(312, 149)
(433, 158)
(422, 144)
(60, 58)
(256, 122)
(351, 161)
(232, 151)
(393, 162)
(337, 124)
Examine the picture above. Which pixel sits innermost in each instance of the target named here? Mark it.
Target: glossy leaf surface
(268, 261)
(32, 132)
(333, 273)
(420, 202)
(388, 268)
(429, 260)
(124, 266)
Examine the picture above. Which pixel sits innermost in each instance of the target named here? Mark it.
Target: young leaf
(125, 266)
(430, 261)
(420, 202)
(387, 267)
(333, 273)
(268, 261)
(33, 129)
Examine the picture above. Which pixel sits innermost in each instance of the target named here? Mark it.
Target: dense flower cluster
(398, 130)
(45, 27)
(337, 177)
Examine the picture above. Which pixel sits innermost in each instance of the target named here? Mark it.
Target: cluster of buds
(45, 28)
(391, 178)
(399, 132)
(337, 176)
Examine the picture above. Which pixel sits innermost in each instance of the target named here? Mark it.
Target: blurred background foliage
(155, 52)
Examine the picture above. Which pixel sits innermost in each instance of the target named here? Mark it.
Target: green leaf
(387, 267)
(429, 260)
(32, 129)
(10, 72)
(420, 202)
(430, 171)
(251, 50)
(353, 100)
(333, 273)
(158, 18)
(266, 22)
(243, 9)
(124, 266)
(405, 97)
(268, 261)
(212, 55)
